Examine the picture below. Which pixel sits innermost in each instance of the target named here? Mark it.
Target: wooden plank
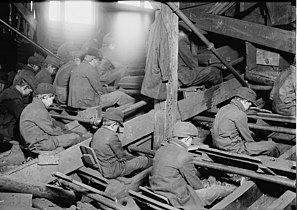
(137, 127)
(241, 198)
(159, 123)
(262, 203)
(289, 154)
(171, 21)
(264, 35)
(32, 173)
(26, 14)
(150, 202)
(143, 125)
(251, 51)
(202, 101)
(15, 200)
(286, 201)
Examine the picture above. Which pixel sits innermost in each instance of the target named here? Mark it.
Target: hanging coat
(157, 61)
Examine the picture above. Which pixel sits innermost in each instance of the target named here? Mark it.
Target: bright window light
(54, 10)
(78, 12)
(133, 3)
(31, 6)
(147, 4)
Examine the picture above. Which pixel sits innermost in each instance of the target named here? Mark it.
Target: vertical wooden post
(251, 52)
(172, 85)
(159, 124)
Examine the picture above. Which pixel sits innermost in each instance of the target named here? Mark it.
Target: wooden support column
(171, 21)
(159, 113)
(159, 125)
(250, 56)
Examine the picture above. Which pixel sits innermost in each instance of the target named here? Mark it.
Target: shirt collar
(238, 104)
(178, 143)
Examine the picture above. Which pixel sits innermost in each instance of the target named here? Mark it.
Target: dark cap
(94, 52)
(106, 64)
(45, 88)
(29, 78)
(184, 129)
(248, 94)
(77, 54)
(115, 115)
(52, 60)
(34, 61)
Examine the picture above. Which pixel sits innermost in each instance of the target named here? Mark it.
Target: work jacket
(61, 81)
(85, 87)
(36, 124)
(11, 107)
(230, 129)
(109, 152)
(283, 93)
(187, 64)
(175, 177)
(43, 77)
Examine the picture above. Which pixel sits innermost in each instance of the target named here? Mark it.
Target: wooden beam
(137, 127)
(187, 108)
(171, 20)
(159, 123)
(202, 101)
(15, 200)
(289, 154)
(33, 173)
(286, 201)
(241, 198)
(260, 34)
(26, 14)
(50, 192)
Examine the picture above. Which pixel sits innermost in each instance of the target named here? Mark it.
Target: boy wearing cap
(11, 105)
(109, 74)
(32, 68)
(85, 88)
(230, 130)
(62, 78)
(51, 64)
(175, 176)
(38, 129)
(283, 93)
(114, 161)
(33, 65)
(189, 71)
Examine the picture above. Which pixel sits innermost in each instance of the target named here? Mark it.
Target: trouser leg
(262, 148)
(215, 192)
(116, 97)
(209, 74)
(134, 164)
(116, 76)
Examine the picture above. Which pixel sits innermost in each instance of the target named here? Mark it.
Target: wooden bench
(147, 191)
(92, 168)
(151, 199)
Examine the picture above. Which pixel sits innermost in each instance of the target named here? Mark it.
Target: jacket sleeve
(241, 123)
(186, 54)
(190, 173)
(15, 107)
(117, 148)
(93, 78)
(45, 123)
